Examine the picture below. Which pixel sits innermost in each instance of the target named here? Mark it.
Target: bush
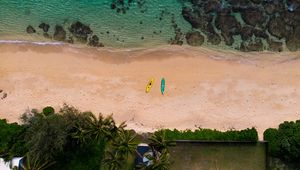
(284, 143)
(11, 139)
(213, 135)
(48, 110)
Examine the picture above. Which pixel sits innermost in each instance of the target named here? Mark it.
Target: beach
(205, 88)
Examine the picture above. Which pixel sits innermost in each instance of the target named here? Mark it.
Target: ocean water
(145, 23)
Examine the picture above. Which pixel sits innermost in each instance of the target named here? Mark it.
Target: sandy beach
(204, 87)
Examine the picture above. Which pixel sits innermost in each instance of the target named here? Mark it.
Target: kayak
(149, 85)
(162, 85)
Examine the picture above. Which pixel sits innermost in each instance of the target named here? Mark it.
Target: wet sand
(204, 87)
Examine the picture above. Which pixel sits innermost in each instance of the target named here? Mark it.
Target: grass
(218, 156)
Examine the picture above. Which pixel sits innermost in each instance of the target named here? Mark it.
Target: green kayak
(162, 85)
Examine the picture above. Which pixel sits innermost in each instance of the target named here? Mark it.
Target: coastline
(206, 87)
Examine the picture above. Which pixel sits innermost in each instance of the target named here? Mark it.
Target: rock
(253, 16)
(196, 18)
(214, 39)
(46, 35)
(44, 26)
(176, 42)
(30, 29)
(229, 26)
(278, 28)
(256, 1)
(260, 33)
(194, 38)
(94, 41)
(291, 18)
(70, 40)
(273, 6)
(1, 90)
(113, 6)
(239, 5)
(274, 45)
(293, 41)
(59, 33)
(80, 31)
(228, 38)
(212, 6)
(246, 32)
(251, 45)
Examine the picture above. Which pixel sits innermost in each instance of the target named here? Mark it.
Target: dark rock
(212, 6)
(142, 38)
(30, 29)
(278, 28)
(59, 33)
(239, 5)
(246, 32)
(46, 35)
(1, 90)
(291, 18)
(80, 31)
(260, 33)
(44, 26)
(194, 38)
(197, 2)
(113, 6)
(293, 41)
(251, 45)
(274, 45)
(253, 16)
(70, 40)
(228, 38)
(196, 18)
(176, 42)
(256, 1)
(229, 26)
(94, 41)
(214, 39)
(273, 6)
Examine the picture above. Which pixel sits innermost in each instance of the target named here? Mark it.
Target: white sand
(206, 88)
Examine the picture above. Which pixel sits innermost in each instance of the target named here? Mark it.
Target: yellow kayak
(149, 85)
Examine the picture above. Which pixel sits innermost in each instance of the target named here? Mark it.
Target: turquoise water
(140, 26)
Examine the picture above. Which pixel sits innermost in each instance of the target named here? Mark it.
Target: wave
(30, 42)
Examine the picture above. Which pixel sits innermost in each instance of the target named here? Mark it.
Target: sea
(142, 23)
(117, 23)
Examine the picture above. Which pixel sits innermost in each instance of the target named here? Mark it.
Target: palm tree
(103, 127)
(124, 144)
(34, 163)
(81, 135)
(159, 161)
(113, 161)
(159, 141)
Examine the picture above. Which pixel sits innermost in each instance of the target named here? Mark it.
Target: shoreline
(205, 87)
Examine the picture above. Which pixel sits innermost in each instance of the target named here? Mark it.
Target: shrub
(48, 110)
(11, 139)
(213, 135)
(284, 142)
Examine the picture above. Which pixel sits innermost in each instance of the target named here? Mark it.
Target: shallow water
(139, 27)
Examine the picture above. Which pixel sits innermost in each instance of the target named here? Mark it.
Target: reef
(275, 22)
(81, 32)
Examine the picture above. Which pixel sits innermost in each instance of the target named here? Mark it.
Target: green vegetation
(284, 142)
(11, 139)
(70, 139)
(213, 135)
